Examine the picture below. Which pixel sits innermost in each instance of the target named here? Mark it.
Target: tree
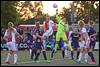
(9, 12)
(87, 10)
(29, 9)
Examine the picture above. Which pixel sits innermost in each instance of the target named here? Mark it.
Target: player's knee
(15, 52)
(38, 51)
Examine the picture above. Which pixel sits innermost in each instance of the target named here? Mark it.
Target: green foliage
(8, 12)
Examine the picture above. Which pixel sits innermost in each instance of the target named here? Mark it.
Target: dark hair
(91, 22)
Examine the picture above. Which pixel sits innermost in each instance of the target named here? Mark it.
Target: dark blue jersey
(29, 37)
(38, 31)
(91, 31)
(75, 37)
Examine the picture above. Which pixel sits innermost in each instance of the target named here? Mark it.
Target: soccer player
(74, 37)
(48, 30)
(84, 42)
(61, 34)
(69, 40)
(39, 43)
(30, 40)
(53, 40)
(10, 37)
(49, 34)
(92, 33)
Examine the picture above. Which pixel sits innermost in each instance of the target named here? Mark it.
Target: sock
(86, 56)
(35, 52)
(63, 54)
(44, 43)
(92, 56)
(77, 54)
(80, 56)
(89, 54)
(30, 52)
(65, 51)
(15, 58)
(44, 54)
(72, 54)
(8, 56)
(56, 46)
(37, 56)
(52, 53)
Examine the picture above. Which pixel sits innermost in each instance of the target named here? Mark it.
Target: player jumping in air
(61, 34)
(48, 34)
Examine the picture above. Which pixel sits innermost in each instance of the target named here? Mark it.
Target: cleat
(37, 61)
(86, 61)
(15, 63)
(7, 62)
(78, 62)
(48, 61)
(51, 58)
(92, 62)
(72, 58)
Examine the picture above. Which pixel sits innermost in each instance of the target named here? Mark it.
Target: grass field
(24, 60)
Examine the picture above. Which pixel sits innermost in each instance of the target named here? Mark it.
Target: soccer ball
(55, 5)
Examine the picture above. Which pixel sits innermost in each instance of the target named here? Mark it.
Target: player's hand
(56, 11)
(28, 41)
(92, 39)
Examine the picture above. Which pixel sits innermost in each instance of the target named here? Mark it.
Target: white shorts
(82, 44)
(65, 44)
(87, 43)
(48, 33)
(12, 46)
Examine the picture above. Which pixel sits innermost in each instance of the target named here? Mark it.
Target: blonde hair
(81, 22)
(10, 24)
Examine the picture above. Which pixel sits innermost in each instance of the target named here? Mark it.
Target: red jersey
(46, 25)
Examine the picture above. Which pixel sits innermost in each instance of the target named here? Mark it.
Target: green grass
(24, 60)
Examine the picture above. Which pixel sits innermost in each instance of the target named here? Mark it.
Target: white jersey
(69, 34)
(83, 30)
(12, 35)
(84, 44)
(50, 24)
(50, 30)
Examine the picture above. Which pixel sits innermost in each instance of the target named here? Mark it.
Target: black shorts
(92, 43)
(39, 45)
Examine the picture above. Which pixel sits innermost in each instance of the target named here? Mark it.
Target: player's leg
(81, 51)
(64, 44)
(72, 51)
(33, 53)
(86, 55)
(15, 49)
(86, 50)
(45, 40)
(52, 47)
(9, 52)
(76, 47)
(45, 55)
(92, 45)
(62, 48)
(57, 41)
(37, 55)
(43, 50)
(78, 52)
